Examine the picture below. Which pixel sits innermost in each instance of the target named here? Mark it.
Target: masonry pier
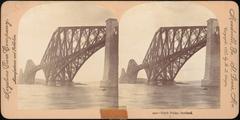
(110, 76)
(212, 65)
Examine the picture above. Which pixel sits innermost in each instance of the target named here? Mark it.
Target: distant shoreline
(139, 81)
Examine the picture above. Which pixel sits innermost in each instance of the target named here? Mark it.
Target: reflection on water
(179, 96)
(130, 95)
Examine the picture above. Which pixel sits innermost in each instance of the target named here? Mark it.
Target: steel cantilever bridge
(169, 50)
(69, 48)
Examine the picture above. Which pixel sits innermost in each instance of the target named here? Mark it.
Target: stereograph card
(120, 59)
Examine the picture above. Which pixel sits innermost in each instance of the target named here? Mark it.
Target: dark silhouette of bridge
(70, 47)
(170, 49)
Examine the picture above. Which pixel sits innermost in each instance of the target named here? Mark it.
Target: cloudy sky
(137, 26)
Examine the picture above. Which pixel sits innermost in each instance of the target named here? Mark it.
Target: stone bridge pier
(212, 65)
(110, 75)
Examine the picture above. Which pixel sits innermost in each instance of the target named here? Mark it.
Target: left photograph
(70, 59)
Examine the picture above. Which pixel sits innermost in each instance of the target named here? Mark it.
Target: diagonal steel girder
(170, 48)
(68, 50)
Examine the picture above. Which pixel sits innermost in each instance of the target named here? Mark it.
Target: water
(190, 95)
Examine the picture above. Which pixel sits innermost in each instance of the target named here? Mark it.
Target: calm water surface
(190, 95)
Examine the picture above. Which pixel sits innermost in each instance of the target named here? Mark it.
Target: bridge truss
(68, 49)
(170, 48)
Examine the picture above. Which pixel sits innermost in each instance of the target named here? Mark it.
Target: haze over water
(191, 95)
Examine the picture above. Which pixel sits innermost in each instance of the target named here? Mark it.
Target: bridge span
(170, 49)
(70, 47)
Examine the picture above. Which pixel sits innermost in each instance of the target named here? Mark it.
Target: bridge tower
(212, 65)
(110, 75)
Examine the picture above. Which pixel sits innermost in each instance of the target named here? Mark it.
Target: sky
(136, 29)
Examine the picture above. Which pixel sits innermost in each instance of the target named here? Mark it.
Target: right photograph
(169, 57)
